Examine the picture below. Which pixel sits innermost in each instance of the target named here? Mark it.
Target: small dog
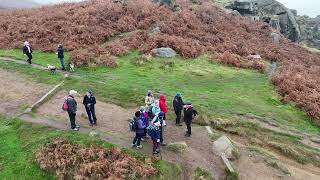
(71, 66)
(52, 68)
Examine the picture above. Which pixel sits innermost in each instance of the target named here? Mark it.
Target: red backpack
(65, 106)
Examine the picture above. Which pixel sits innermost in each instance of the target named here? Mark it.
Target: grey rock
(223, 145)
(164, 52)
(275, 38)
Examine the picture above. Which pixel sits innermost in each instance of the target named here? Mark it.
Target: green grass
(215, 90)
(19, 142)
(201, 174)
(39, 57)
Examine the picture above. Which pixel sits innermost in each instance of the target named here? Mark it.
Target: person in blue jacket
(154, 133)
(139, 130)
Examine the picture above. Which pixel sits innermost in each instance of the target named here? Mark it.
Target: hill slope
(92, 30)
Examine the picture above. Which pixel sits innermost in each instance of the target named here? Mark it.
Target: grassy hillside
(217, 91)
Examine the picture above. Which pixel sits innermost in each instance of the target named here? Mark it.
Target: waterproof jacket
(177, 103)
(89, 100)
(155, 109)
(163, 104)
(188, 115)
(26, 50)
(72, 104)
(140, 124)
(60, 52)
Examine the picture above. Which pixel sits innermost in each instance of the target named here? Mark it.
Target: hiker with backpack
(155, 108)
(70, 105)
(89, 102)
(27, 51)
(189, 114)
(178, 106)
(154, 133)
(159, 118)
(60, 53)
(138, 127)
(163, 105)
(145, 120)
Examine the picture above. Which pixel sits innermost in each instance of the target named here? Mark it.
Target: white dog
(71, 65)
(52, 68)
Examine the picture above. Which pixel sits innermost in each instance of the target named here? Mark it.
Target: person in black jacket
(27, 51)
(189, 113)
(60, 53)
(178, 106)
(89, 102)
(72, 109)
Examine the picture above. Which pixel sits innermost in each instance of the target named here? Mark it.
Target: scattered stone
(255, 56)
(275, 38)
(94, 134)
(156, 29)
(177, 146)
(164, 52)
(224, 146)
(315, 140)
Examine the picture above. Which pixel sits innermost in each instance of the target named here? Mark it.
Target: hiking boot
(142, 139)
(75, 129)
(187, 135)
(139, 147)
(133, 145)
(156, 152)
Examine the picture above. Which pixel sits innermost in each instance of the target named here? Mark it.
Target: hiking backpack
(133, 125)
(65, 105)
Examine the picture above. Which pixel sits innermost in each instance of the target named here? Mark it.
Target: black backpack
(133, 125)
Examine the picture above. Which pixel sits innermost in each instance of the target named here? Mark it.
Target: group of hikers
(27, 51)
(148, 120)
(151, 119)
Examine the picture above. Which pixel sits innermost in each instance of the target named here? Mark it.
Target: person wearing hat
(27, 51)
(72, 109)
(89, 102)
(60, 53)
(139, 131)
(149, 99)
(145, 119)
(189, 113)
(178, 106)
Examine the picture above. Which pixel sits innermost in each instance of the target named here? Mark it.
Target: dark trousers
(72, 117)
(91, 115)
(137, 139)
(178, 116)
(29, 58)
(161, 132)
(155, 146)
(189, 128)
(62, 63)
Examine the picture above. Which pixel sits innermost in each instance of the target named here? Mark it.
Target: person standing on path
(178, 106)
(149, 100)
(163, 105)
(139, 130)
(27, 51)
(60, 53)
(72, 109)
(189, 114)
(154, 133)
(89, 102)
(159, 118)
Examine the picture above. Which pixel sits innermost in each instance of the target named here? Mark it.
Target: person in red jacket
(163, 105)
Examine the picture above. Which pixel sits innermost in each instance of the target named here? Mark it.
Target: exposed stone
(164, 52)
(275, 38)
(177, 146)
(224, 146)
(94, 134)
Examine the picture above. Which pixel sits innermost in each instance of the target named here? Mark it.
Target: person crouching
(189, 113)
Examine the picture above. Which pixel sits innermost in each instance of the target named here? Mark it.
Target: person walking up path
(189, 114)
(89, 102)
(60, 53)
(178, 106)
(27, 51)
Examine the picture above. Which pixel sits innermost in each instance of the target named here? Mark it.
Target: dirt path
(17, 93)
(114, 119)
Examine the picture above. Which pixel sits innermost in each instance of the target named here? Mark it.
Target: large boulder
(164, 52)
(310, 30)
(223, 146)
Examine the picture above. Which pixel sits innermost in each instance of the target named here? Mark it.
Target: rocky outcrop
(271, 11)
(310, 31)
